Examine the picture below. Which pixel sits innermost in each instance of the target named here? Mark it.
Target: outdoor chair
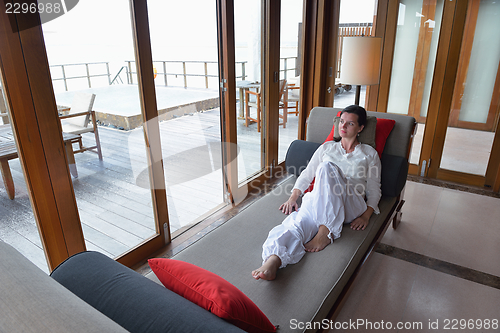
(293, 96)
(257, 105)
(78, 119)
(3, 109)
(283, 103)
(249, 104)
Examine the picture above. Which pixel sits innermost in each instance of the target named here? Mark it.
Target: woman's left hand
(362, 221)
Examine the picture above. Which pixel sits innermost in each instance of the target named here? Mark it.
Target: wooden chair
(293, 96)
(283, 103)
(257, 105)
(78, 119)
(249, 104)
(3, 109)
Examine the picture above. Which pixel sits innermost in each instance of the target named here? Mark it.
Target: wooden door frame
(440, 104)
(309, 19)
(320, 23)
(35, 124)
(319, 56)
(149, 112)
(387, 54)
(421, 60)
(447, 59)
(227, 96)
(270, 82)
(36, 127)
(465, 53)
(270, 96)
(377, 96)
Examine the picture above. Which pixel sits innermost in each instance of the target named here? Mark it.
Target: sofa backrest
(320, 124)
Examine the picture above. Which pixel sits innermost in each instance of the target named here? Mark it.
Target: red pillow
(384, 128)
(211, 292)
(311, 186)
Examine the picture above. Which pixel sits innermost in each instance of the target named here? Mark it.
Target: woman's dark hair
(357, 110)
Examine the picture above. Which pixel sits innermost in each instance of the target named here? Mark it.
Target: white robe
(333, 201)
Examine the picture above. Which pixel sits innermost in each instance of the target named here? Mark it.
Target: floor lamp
(360, 62)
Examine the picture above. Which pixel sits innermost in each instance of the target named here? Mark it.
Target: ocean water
(100, 31)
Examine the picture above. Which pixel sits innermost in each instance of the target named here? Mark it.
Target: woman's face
(348, 126)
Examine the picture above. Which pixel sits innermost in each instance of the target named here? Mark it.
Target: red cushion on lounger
(211, 292)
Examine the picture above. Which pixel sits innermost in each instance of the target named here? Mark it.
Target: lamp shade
(360, 60)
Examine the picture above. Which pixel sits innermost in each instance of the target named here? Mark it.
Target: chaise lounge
(304, 296)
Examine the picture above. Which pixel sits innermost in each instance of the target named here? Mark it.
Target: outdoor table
(8, 151)
(242, 86)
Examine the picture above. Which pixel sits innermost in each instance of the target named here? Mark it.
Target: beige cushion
(32, 301)
(327, 270)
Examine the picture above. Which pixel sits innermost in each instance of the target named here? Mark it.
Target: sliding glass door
(249, 81)
(250, 121)
(290, 36)
(112, 189)
(445, 73)
(185, 63)
(476, 96)
(112, 197)
(81, 175)
(418, 27)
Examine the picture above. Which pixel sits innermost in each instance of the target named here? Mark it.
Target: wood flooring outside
(113, 195)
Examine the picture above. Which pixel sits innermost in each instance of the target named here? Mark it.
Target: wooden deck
(113, 195)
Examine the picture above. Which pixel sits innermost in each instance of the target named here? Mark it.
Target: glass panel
(187, 94)
(415, 50)
(290, 30)
(474, 92)
(483, 64)
(18, 226)
(356, 19)
(87, 52)
(247, 32)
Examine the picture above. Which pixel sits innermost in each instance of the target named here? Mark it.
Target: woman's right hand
(291, 203)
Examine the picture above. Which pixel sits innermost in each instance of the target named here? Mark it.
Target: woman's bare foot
(320, 241)
(268, 270)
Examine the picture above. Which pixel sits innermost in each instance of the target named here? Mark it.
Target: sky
(100, 30)
(352, 11)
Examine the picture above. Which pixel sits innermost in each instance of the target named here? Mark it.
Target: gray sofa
(302, 295)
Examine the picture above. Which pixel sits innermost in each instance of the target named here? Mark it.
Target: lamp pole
(358, 94)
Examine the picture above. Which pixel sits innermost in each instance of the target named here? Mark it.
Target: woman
(345, 173)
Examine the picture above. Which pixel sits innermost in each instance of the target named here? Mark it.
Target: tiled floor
(459, 228)
(459, 154)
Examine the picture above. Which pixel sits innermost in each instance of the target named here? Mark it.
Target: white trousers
(331, 202)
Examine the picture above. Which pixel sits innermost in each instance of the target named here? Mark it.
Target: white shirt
(361, 168)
